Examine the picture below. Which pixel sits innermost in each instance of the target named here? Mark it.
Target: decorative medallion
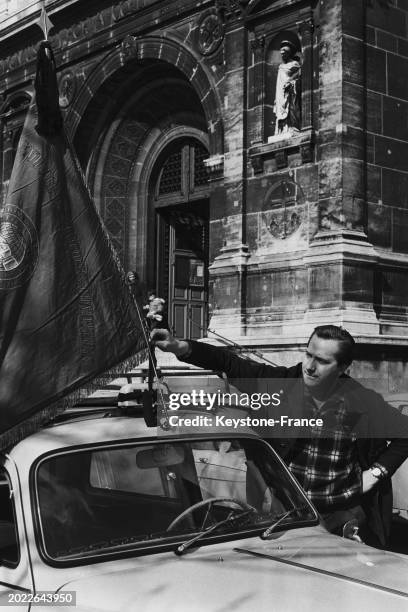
(282, 214)
(283, 223)
(18, 248)
(67, 89)
(210, 33)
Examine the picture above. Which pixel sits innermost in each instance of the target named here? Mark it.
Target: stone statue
(287, 97)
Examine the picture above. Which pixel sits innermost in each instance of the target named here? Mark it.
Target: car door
(16, 582)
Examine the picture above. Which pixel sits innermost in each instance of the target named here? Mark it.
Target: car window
(117, 470)
(9, 547)
(103, 501)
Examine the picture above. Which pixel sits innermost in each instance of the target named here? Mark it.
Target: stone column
(228, 270)
(341, 261)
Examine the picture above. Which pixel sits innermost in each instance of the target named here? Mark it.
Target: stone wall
(387, 150)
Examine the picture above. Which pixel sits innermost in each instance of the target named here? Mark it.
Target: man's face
(320, 368)
(286, 53)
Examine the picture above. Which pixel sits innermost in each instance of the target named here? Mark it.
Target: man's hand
(369, 481)
(166, 342)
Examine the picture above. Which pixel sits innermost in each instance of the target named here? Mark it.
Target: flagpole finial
(44, 22)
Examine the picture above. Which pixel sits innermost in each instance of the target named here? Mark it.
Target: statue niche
(283, 87)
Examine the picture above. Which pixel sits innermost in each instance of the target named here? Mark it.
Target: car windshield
(111, 499)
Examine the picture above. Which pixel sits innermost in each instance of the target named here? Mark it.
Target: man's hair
(346, 341)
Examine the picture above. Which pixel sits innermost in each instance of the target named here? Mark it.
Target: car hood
(304, 568)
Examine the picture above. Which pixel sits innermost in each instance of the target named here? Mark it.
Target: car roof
(94, 429)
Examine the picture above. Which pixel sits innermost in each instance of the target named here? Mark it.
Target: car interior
(132, 494)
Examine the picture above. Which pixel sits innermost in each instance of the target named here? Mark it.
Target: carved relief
(210, 33)
(116, 172)
(258, 43)
(283, 218)
(283, 223)
(67, 89)
(129, 46)
(232, 8)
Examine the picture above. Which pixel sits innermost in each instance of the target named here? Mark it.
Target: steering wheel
(207, 502)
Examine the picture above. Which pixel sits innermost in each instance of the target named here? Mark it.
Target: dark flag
(66, 313)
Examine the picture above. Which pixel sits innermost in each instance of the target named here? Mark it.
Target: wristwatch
(378, 471)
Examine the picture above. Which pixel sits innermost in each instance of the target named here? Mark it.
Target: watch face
(376, 472)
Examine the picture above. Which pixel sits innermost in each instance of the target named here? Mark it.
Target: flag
(44, 21)
(66, 312)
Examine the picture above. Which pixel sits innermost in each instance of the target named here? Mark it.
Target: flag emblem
(18, 247)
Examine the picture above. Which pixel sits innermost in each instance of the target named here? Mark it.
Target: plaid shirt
(325, 464)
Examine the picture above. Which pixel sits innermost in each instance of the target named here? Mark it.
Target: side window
(9, 548)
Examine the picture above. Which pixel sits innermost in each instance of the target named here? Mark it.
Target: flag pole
(44, 22)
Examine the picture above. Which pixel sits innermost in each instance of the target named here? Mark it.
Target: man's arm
(386, 423)
(214, 358)
(394, 456)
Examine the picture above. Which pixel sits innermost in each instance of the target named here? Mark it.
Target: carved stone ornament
(285, 215)
(283, 222)
(129, 46)
(214, 165)
(83, 30)
(232, 8)
(67, 89)
(210, 33)
(258, 43)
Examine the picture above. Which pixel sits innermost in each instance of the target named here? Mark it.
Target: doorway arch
(131, 147)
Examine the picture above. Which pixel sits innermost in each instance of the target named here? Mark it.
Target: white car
(103, 513)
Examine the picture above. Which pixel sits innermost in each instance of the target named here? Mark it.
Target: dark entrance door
(182, 239)
(187, 270)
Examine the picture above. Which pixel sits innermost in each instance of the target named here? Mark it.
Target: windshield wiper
(230, 520)
(265, 535)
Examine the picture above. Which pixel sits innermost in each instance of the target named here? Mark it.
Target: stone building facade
(169, 105)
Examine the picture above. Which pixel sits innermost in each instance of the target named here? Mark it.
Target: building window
(183, 174)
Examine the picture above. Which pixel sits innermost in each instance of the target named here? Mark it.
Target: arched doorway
(180, 195)
(144, 123)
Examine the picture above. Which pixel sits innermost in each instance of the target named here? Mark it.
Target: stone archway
(126, 151)
(121, 65)
(127, 113)
(123, 159)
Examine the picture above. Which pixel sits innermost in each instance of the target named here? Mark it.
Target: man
(344, 466)
(287, 96)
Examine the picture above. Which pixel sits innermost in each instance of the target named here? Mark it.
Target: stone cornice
(24, 17)
(98, 24)
(257, 8)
